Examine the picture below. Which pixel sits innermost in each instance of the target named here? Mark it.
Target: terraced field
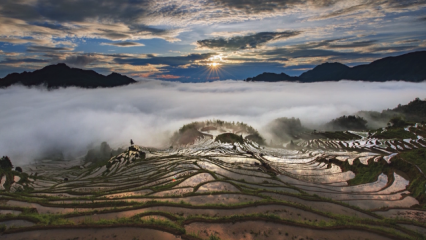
(368, 188)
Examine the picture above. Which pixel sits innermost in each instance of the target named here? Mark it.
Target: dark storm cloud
(112, 34)
(170, 61)
(22, 60)
(353, 44)
(51, 26)
(322, 49)
(75, 10)
(144, 28)
(372, 4)
(80, 60)
(134, 30)
(391, 48)
(405, 3)
(124, 44)
(345, 11)
(110, 19)
(15, 9)
(256, 6)
(47, 49)
(304, 53)
(245, 42)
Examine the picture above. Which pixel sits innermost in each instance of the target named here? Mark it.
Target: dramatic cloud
(22, 60)
(35, 122)
(353, 44)
(170, 61)
(47, 49)
(256, 6)
(80, 60)
(245, 42)
(124, 44)
(244, 31)
(328, 50)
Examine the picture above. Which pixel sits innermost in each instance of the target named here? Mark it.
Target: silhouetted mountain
(325, 72)
(60, 75)
(273, 77)
(409, 67)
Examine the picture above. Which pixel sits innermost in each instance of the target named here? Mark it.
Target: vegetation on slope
(364, 173)
(188, 133)
(395, 130)
(413, 163)
(286, 129)
(257, 138)
(102, 153)
(345, 123)
(229, 138)
(414, 111)
(9, 184)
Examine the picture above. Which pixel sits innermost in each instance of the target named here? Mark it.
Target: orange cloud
(168, 76)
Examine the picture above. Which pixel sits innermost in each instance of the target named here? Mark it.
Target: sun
(214, 66)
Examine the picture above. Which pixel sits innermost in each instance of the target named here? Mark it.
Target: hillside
(60, 75)
(370, 188)
(273, 77)
(408, 67)
(190, 133)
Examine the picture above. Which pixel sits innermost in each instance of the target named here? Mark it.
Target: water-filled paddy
(245, 191)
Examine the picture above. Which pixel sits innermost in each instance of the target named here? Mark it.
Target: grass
(338, 135)
(363, 173)
(395, 133)
(407, 162)
(167, 186)
(213, 237)
(178, 222)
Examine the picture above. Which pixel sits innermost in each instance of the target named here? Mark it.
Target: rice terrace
(212, 119)
(219, 180)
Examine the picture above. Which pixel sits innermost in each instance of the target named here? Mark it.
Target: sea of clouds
(35, 122)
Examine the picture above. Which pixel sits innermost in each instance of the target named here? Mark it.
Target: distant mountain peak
(61, 75)
(333, 64)
(115, 74)
(408, 67)
(56, 66)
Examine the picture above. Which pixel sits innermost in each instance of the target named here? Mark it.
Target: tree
(398, 122)
(18, 169)
(5, 163)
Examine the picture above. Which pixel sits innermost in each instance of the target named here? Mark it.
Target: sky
(35, 122)
(205, 40)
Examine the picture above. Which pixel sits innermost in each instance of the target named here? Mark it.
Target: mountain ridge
(408, 67)
(61, 75)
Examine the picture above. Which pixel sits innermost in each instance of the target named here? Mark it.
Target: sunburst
(213, 71)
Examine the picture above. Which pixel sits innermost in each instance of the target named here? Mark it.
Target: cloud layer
(35, 122)
(245, 42)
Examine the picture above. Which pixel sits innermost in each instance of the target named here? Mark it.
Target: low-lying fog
(34, 122)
